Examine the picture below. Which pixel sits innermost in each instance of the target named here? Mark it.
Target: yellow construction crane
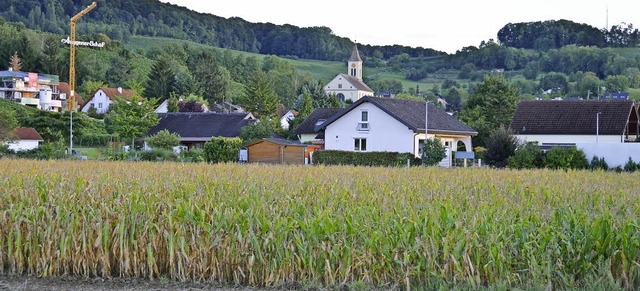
(71, 103)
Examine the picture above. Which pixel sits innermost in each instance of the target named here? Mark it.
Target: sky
(445, 25)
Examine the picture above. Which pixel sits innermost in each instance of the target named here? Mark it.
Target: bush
(164, 139)
(529, 156)
(373, 159)
(93, 139)
(598, 164)
(46, 151)
(501, 145)
(565, 158)
(192, 156)
(154, 155)
(433, 152)
(631, 166)
(222, 149)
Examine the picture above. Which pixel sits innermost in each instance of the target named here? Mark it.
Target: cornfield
(265, 226)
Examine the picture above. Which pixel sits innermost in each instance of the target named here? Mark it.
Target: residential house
(309, 130)
(196, 128)
(26, 138)
(280, 151)
(569, 122)
(374, 124)
(287, 117)
(104, 97)
(31, 89)
(350, 86)
(65, 92)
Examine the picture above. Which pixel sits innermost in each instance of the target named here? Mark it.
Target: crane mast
(71, 103)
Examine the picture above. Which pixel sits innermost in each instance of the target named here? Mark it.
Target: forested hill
(120, 19)
(552, 34)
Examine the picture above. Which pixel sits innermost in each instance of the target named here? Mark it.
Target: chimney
(120, 90)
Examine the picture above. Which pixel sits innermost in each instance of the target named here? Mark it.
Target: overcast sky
(445, 25)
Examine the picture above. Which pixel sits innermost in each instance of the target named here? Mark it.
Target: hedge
(374, 159)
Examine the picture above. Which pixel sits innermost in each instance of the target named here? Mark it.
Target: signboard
(83, 43)
(33, 80)
(465, 155)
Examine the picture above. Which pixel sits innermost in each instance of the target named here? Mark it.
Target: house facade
(104, 97)
(27, 138)
(309, 130)
(31, 89)
(350, 86)
(375, 124)
(571, 122)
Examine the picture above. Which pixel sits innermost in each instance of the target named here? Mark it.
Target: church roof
(355, 55)
(361, 86)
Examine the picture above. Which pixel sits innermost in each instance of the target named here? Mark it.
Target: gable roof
(572, 117)
(63, 87)
(201, 126)
(412, 114)
(307, 126)
(355, 82)
(27, 133)
(113, 94)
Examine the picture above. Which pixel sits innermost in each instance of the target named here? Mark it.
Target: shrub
(222, 149)
(631, 166)
(373, 159)
(598, 164)
(154, 155)
(192, 156)
(529, 156)
(164, 139)
(93, 139)
(565, 158)
(433, 152)
(501, 145)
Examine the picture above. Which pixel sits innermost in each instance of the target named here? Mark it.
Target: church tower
(355, 64)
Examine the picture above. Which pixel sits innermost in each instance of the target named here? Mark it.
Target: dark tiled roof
(355, 55)
(202, 126)
(308, 125)
(571, 117)
(27, 133)
(412, 114)
(356, 83)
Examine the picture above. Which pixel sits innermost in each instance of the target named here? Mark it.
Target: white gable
(341, 85)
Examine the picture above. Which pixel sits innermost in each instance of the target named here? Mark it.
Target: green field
(321, 227)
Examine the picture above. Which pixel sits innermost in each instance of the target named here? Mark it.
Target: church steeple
(355, 63)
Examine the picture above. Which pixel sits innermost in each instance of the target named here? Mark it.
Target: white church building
(350, 86)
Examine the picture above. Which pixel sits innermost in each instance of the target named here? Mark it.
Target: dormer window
(364, 120)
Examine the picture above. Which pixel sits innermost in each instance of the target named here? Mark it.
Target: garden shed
(280, 151)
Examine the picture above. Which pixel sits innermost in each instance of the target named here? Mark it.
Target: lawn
(324, 227)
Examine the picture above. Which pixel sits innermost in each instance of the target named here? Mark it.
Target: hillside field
(315, 226)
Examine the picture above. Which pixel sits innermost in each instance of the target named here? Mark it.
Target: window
(364, 120)
(360, 144)
(339, 86)
(341, 97)
(100, 105)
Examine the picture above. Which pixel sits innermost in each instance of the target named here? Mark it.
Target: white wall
(614, 154)
(23, 145)
(541, 138)
(385, 132)
(99, 98)
(348, 90)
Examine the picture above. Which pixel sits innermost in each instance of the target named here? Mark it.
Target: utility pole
(71, 102)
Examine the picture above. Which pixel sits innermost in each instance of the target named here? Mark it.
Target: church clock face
(353, 65)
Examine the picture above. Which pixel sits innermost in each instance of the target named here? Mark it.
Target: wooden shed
(280, 151)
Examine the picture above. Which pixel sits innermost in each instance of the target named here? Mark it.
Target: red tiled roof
(63, 87)
(27, 133)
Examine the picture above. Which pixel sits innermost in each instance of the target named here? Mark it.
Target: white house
(571, 122)
(287, 118)
(374, 124)
(309, 129)
(27, 138)
(104, 97)
(350, 86)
